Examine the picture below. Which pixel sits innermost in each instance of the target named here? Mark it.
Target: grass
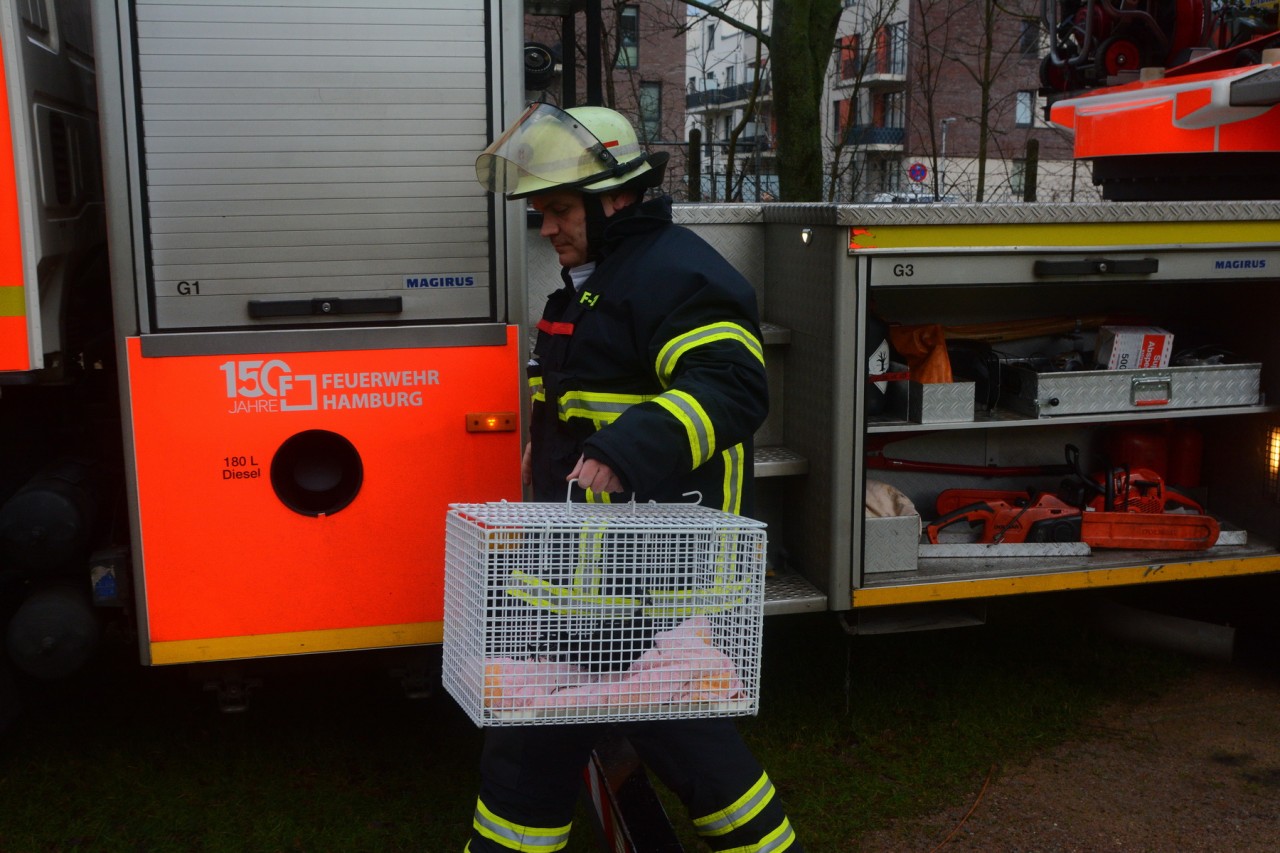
(859, 731)
(854, 731)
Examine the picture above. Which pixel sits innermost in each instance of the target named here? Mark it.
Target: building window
(1024, 114)
(1018, 178)
(730, 76)
(1029, 40)
(650, 111)
(846, 116)
(849, 57)
(888, 110)
(898, 46)
(710, 43)
(629, 37)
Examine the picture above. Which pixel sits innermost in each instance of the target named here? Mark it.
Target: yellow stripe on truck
(1146, 235)
(296, 643)
(918, 593)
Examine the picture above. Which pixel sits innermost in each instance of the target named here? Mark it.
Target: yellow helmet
(592, 149)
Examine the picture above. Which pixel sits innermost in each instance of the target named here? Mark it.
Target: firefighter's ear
(615, 201)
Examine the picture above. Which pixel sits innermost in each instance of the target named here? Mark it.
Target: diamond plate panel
(977, 213)
(892, 544)
(693, 215)
(1100, 391)
(940, 402)
(1040, 213)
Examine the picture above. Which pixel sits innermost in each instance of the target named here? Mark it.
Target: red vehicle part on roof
(1196, 113)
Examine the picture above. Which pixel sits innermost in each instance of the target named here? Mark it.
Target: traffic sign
(917, 172)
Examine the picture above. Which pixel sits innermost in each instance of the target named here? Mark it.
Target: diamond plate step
(779, 461)
(791, 594)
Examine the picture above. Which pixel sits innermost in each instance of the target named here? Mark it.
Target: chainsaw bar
(1154, 530)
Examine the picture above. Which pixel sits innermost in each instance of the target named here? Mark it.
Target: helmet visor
(547, 148)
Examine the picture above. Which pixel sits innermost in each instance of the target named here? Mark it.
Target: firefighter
(648, 382)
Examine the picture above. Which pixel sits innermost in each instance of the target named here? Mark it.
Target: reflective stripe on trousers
(509, 835)
(749, 816)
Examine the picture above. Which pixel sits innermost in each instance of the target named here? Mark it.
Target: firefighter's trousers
(530, 778)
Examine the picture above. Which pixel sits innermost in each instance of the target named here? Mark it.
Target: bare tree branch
(717, 11)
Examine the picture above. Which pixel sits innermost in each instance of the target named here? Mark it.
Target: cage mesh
(601, 612)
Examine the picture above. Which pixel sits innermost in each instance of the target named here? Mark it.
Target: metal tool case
(1096, 391)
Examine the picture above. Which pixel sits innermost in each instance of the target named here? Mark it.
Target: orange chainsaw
(1119, 509)
(1047, 518)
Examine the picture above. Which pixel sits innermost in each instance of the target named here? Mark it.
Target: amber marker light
(491, 422)
(1272, 453)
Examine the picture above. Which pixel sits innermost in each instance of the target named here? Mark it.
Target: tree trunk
(800, 49)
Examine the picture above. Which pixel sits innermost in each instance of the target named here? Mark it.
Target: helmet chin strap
(595, 224)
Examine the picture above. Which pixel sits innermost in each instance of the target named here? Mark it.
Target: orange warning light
(491, 421)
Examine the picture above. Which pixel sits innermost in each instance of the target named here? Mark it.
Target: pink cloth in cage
(683, 666)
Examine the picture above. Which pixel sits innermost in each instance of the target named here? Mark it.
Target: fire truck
(259, 326)
(252, 350)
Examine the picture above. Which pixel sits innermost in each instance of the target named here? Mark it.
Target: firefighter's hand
(526, 464)
(595, 476)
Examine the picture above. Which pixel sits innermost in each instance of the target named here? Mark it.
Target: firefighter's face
(564, 220)
(564, 223)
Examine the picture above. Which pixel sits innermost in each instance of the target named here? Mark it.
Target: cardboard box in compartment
(892, 543)
(1133, 347)
(940, 402)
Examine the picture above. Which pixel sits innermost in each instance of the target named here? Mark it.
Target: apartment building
(923, 100)
(728, 103)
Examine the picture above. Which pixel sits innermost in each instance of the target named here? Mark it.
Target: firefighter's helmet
(592, 149)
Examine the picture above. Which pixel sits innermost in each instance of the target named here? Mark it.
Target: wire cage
(558, 613)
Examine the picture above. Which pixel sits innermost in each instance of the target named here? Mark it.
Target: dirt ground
(1194, 770)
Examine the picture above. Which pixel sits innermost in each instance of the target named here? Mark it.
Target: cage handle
(568, 495)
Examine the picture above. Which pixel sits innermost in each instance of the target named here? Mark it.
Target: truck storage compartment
(1019, 293)
(1186, 441)
(302, 165)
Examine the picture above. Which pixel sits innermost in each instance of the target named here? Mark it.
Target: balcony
(885, 70)
(874, 137)
(723, 96)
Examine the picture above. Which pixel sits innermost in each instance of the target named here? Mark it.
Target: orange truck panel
(230, 571)
(15, 351)
(1178, 115)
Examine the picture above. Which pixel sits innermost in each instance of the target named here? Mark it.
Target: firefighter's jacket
(655, 368)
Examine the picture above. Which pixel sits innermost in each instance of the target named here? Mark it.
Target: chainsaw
(1047, 518)
(1022, 518)
(1120, 509)
(1139, 490)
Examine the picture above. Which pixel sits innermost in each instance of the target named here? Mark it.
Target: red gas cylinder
(1139, 447)
(1175, 451)
(1186, 456)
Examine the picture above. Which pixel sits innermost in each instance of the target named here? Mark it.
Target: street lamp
(942, 161)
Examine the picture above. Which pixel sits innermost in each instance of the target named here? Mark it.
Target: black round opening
(316, 472)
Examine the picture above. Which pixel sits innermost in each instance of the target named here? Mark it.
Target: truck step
(776, 461)
(775, 335)
(791, 594)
